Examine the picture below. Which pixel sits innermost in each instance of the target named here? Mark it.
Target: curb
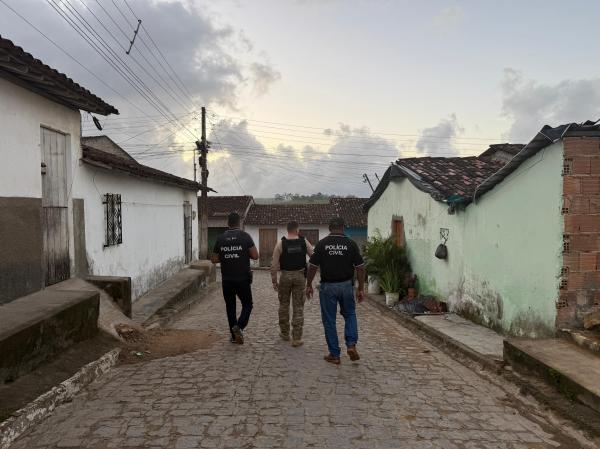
(40, 408)
(169, 314)
(579, 415)
(440, 339)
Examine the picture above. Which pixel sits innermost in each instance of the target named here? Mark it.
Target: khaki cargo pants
(291, 283)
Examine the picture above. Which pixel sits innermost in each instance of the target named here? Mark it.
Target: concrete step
(38, 326)
(176, 289)
(572, 370)
(586, 339)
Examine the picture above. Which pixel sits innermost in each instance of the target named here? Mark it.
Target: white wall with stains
(152, 224)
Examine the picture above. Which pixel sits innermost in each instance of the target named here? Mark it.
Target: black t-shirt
(233, 249)
(337, 256)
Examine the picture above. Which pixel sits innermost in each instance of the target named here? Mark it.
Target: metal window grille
(112, 217)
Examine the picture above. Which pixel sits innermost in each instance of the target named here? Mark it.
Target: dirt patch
(158, 343)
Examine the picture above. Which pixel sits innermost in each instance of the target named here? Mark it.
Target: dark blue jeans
(330, 294)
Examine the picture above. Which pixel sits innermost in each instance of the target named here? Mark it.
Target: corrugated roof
(21, 68)
(108, 161)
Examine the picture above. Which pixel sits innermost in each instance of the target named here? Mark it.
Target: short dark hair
(292, 226)
(336, 223)
(233, 220)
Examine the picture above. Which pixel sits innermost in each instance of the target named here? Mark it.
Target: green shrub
(386, 262)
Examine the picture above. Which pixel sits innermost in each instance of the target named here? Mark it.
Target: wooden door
(55, 206)
(312, 235)
(187, 230)
(267, 239)
(398, 231)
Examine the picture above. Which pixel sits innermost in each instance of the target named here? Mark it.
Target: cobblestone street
(404, 393)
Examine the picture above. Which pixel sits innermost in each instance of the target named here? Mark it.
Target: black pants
(242, 290)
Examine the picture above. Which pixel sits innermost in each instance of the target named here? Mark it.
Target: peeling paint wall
(504, 252)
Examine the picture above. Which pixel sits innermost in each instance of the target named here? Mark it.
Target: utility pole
(202, 147)
(367, 180)
(195, 166)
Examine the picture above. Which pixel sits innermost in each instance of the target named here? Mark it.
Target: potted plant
(374, 255)
(391, 284)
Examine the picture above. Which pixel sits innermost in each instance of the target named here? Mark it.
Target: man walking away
(234, 249)
(289, 256)
(338, 257)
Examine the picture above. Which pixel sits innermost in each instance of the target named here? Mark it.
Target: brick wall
(580, 277)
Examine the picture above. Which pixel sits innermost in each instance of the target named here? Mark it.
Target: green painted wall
(504, 252)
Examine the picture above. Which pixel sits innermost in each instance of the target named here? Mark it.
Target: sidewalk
(477, 342)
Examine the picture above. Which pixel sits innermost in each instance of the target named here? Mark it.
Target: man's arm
(253, 251)
(275, 264)
(310, 276)
(309, 249)
(360, 274)
(214, 257)
(359, 266)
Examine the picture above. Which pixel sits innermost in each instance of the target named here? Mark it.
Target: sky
(306, 96)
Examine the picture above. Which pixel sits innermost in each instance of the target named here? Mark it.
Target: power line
(109, 55)
(323, 128)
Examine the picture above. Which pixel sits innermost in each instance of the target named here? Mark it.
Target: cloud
(449, 18)
(440, 139)
(334, 167)
(214, 64)
(263, 76)
(529, 105)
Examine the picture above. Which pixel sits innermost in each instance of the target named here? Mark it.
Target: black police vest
(293, 254)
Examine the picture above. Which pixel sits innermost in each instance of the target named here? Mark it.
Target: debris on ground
(146, 345)
(422, 304)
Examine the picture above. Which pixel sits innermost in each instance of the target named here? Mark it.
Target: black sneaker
(238, 335)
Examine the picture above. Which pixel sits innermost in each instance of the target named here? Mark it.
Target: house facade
(71, 207)
(137, 221)
(40, 129)
(267, 223)
(219, 207)
(521, 236)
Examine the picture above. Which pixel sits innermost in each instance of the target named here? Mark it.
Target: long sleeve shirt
(275, 265)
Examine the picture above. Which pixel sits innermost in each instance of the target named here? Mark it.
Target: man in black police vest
(338, 257)
(289, 256)
(234, 249)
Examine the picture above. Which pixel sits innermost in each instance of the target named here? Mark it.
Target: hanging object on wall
(441, 251)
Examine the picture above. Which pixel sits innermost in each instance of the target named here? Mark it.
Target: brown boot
(297, 343)
(353, 353)
(331, 359)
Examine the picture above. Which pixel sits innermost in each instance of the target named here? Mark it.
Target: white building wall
(152, 221)
(22, 112)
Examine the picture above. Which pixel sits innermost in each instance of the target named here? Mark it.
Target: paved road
(266, 394)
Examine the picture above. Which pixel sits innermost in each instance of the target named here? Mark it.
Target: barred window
(112, 220)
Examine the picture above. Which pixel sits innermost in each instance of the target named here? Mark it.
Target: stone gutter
(42, 407)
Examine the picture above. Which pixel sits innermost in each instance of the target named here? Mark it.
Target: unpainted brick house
(523, 236)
